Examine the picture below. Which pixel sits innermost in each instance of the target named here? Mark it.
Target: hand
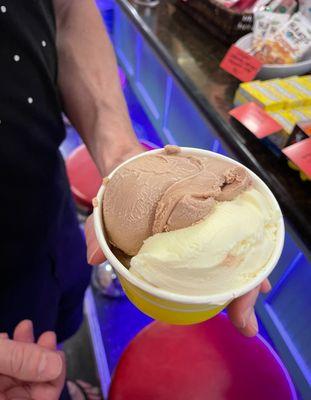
(28, 370)
(240, 311)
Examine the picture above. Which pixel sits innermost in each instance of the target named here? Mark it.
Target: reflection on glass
(105, 281)
(147, 3)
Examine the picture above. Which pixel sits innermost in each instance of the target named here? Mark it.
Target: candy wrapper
(266, 24)
(289, 44)
(260, 5)
(305, 9)
(282, 6)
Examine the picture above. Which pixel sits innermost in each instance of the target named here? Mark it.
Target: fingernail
(253, 322)
(29, 323)
(96, 257)
(91, 257)
(50, 366)
(267, 287)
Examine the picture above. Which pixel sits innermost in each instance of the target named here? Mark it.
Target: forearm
(89, 83)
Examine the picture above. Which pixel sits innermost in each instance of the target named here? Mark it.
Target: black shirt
(33, 182)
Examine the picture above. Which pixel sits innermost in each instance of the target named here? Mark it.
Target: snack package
(292, 96)
(299, 84)
(289, 44)
(306, 81)
(261, 25)
(255, 91)
(266, 24)
(305, 8)
(260, 5)
(293, 93)
(283, 6)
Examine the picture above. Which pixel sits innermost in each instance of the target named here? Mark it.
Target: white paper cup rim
(218, 298)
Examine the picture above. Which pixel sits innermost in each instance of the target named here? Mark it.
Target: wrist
(111, 154)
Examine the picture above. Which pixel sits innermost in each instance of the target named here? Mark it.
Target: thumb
(95, 256)
(28, 361)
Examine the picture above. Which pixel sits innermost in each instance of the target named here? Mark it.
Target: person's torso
(33, 182)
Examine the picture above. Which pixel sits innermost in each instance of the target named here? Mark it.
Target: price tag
(256, 120)
(240, 64)
(300, 154)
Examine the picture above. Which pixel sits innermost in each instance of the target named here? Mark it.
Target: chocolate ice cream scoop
(165, 192)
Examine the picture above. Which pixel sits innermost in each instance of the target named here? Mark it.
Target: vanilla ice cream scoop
(221, 253)
(166, 192)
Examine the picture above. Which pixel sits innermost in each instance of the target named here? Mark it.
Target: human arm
(89, 84)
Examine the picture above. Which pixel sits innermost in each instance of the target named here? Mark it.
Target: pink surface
(84, 177)
(208, 361)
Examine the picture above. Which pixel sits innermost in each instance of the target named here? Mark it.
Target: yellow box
(299, 98)
(306, 80)
(255, 91)
(286, 119)
(276, 94)
(296, 85)
(302, 114)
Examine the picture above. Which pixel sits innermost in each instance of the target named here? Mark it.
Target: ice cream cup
(179, 308)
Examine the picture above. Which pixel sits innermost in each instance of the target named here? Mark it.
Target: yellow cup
(178, 308)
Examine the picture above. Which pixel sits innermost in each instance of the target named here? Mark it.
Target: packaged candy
(260, 27)
(283, 6)
(293, 93)
(301, 85)
(292, 96)
(260, 5)
(266, 24)
(305, 8)
(289, 44)
(261, 95)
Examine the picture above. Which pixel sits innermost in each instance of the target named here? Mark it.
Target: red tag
(256, 120)
(240, 64)
(300, 154)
